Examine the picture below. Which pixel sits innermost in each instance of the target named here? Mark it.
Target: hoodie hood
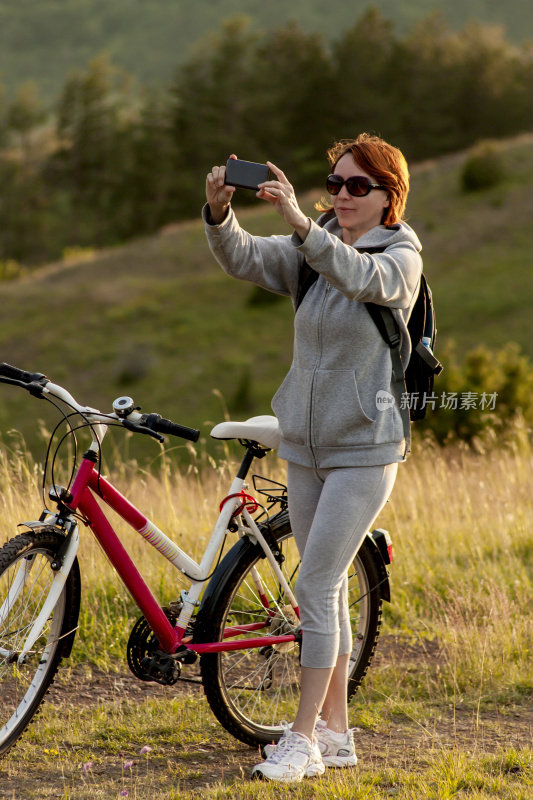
(380, 236)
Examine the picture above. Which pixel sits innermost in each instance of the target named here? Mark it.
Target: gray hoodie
(326, 406)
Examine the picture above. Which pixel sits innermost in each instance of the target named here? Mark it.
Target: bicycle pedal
(161, 668)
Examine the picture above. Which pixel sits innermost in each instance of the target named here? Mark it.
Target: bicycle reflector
(384, 542)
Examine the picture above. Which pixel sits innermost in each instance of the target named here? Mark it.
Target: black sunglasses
(357, 185)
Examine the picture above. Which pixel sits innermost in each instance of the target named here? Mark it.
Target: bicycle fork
(22, 577)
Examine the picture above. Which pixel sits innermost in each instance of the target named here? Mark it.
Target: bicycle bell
(123, 406)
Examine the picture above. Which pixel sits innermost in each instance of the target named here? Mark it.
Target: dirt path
(402, 743)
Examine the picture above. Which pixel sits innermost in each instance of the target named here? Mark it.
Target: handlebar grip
(162, 425)
(19, 374)
(132, 426)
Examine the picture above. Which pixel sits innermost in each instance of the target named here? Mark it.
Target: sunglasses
(357, 185)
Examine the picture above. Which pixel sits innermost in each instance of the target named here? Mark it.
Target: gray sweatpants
(331, 511)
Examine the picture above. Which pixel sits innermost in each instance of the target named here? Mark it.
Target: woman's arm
(271, 262)
(389, 278)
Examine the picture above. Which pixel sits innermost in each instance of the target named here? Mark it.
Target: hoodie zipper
(317, 367)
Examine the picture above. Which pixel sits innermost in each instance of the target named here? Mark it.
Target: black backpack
(423, 365)
(415, 386)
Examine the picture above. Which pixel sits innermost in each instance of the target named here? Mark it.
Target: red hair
(383, 162)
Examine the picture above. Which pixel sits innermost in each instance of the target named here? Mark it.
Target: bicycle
(239, 615)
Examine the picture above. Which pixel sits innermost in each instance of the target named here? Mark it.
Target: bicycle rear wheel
(252, 691)
(25, 580)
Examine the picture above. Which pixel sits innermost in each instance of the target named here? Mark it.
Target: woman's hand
(280, 194)
(218, 195)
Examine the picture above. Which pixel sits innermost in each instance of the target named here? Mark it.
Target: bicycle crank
(146, 660)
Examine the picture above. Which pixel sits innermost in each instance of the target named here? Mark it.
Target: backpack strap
(307, 275)
(390, 333)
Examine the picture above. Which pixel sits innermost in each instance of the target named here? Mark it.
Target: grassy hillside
(157, 318)
(42, 39)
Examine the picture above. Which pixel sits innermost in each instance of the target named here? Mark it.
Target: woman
(342, 450)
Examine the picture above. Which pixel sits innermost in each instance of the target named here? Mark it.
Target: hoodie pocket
(338, 416)
(290, 404)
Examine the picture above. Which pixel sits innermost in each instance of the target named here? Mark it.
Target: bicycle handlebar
(21, 375)
(161, 425)
(151, 424)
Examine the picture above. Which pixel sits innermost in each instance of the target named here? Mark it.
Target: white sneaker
(337, 749)
(293, 758)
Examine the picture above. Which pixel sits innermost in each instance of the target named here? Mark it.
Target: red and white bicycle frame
(88, 485)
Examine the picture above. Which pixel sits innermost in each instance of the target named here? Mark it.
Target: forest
(44, 39)
(115, 159)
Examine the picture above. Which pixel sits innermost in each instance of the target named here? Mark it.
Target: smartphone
(245, 174)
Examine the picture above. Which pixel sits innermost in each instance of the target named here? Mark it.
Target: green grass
(158, 319)
(444, 712)
(103, 753)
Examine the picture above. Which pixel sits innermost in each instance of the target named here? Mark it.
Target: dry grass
(463, 573)
(446, 708)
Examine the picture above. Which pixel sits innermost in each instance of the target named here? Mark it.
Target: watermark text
(452, 401)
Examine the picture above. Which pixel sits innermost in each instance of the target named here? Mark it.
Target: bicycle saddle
(263, 429)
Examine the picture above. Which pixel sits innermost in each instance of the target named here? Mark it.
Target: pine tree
(92, 114)
(362, 86)
(209, 116)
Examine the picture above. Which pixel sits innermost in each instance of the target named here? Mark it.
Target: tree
(493, 76)
(150, 179)
(25, 112)
(363, 87)
(94, 109)
(289, 106)
(210, 94)
(425, 80)
(23, 212)
(3, 120)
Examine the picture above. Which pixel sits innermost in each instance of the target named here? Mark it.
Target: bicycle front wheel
(25, 580)
(252, 691)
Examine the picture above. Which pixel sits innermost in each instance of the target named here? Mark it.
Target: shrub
(10, 270)
(133, 364)
(488, 393)
(483, 168)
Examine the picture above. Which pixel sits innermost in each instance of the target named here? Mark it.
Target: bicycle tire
(252, 691)
(23, 686)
